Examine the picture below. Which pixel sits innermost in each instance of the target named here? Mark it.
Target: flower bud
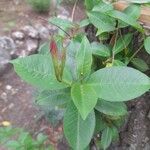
(53, 48)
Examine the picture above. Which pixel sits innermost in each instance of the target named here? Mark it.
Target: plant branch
(55, 25)
(73, 10)
(136, 52)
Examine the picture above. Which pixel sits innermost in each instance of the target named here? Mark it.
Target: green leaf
(122, 43)
(71, 61)
(125, 18)
(78, 131)
(54, 97)
(139, 1)
(84, 58)
(100, 123)
(111, 108)
(13, 144)
(119, 83)
(84, 23)
(118, 63)
(84, 98)
(41, 138)
(115, 133)
(134, 11)
(103, 36)
(91, 3)
(140, 64)
(101, 21)
(37, 70)
(100, 49)
(63, 23)
(44, 49)
(147, 44)
(103, 7)
(106, 138)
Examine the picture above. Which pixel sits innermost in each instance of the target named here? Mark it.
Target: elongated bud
(53, 48)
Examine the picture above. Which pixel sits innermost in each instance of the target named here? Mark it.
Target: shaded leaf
(106, 138)
(122, 43)
(100, 49)
(147, 44)
(78, 131)
(111, 108)
(54, 98)
(140, 64)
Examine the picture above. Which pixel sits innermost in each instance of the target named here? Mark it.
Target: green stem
(65, 82)
(136, 52)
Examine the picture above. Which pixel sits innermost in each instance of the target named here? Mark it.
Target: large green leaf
(111, 108)
(84, 98)
(100, 49)
(78, 131)
(103, 7)
(147, 44)
(54, 97)
(119, 83)
(101, 21)
(37, 70)
(134, 11)
(140, 64)
(122, 43)
(125, 18)
(106, 138)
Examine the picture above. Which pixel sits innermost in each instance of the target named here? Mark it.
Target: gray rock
(148, 115)
(7, 43)
(18, 35)
(63, 11)
(32, 45)
(31, 32)
(25, 47)
(4, 61)
(43, 31)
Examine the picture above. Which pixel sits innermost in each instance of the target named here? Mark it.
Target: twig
(114, 47)
(136, 52)
(73, 10)
(55, 25)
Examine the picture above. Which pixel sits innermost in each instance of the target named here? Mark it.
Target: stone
(8, 87)
(3, 96)
(18, 35)
(31, 32)
(7, 44)
(148, 115)
(32, 45)
(43, 32)
(4, 56)
(11, 105)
